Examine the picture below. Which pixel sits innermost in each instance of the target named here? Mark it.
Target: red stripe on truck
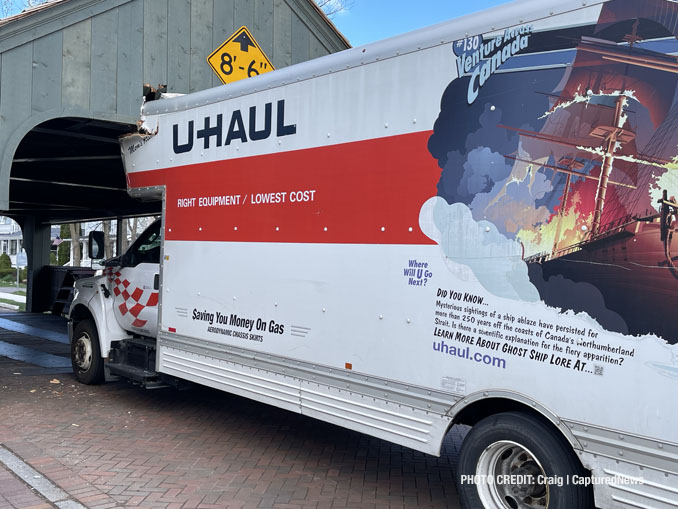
(366, 192)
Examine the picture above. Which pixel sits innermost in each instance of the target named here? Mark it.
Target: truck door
(134, 283)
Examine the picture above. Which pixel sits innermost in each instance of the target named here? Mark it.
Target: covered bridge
(72, 75)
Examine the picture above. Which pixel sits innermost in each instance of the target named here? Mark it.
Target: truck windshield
(146, 249)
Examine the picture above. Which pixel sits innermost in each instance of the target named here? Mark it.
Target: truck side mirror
(96, 245)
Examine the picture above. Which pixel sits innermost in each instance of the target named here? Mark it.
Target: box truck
(470, 223)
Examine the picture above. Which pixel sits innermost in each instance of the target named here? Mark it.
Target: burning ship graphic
(615, 219)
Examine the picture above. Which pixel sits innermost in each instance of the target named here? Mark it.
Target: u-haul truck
(471, 223)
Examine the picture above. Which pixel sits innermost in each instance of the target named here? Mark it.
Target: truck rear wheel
(86, 360)
(514, 461)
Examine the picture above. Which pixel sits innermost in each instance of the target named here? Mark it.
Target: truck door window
(147, 247)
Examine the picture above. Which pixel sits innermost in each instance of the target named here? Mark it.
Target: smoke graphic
(496, 261)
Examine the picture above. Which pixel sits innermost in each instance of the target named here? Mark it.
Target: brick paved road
(15, 493)
(118, 445)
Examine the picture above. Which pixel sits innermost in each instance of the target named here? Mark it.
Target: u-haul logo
(242, 127)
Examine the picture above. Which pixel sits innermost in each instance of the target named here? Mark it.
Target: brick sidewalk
(117, 445)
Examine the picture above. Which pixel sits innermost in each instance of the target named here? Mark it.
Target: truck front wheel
(514, 461)
(88, 365)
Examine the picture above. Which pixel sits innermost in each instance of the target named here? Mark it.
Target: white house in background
(11, 238)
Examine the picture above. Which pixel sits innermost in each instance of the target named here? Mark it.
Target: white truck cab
(121, 303)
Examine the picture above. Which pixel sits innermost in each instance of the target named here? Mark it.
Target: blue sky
(373, 20)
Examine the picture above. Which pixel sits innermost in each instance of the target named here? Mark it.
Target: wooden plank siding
(100, 63)
(156, 42)
(301, 41)
(282, 34)
(262, 28)
(201, 44)
(179, 51)
(77, 65)
(15, 101)
(104, 62)
(130, 59)
(317, 49)
(47, 66)
(223, 26)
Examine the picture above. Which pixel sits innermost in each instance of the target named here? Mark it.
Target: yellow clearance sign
(239, 57)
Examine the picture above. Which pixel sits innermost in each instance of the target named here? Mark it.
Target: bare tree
(129, 233)
(12, 7)
(124, 242)
(75, 243)
(333, 7)
(133, 230)
(7, 8)
(108, 245)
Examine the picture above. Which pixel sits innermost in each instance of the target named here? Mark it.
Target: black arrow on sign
(245, 41)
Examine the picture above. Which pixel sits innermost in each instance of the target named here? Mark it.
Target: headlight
(98, 272)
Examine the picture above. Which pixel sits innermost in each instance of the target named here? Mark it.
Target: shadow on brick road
(202, 447)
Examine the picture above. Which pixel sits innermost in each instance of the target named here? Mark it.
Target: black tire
(86, 360)
(517, 443)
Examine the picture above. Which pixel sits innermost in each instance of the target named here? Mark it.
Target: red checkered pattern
(134, 300)
(110, 274)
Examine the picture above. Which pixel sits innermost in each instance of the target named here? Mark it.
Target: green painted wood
(201, 44)
(262, 30)
(76, 54)
(316, 48)
(301, 40)
(155, 42)
(104, 62)
(243, 14)
(47, 66)
(179, 50)
(282, 34)
(130, 58)
(317, 25)
(223, 27)
(15, 105)
(53, 19)
(15, 88)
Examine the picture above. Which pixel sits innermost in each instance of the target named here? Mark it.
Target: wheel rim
(83, 352)
(523, 479)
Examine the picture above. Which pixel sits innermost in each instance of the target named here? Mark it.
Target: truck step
(142, 342)
(146, 378)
